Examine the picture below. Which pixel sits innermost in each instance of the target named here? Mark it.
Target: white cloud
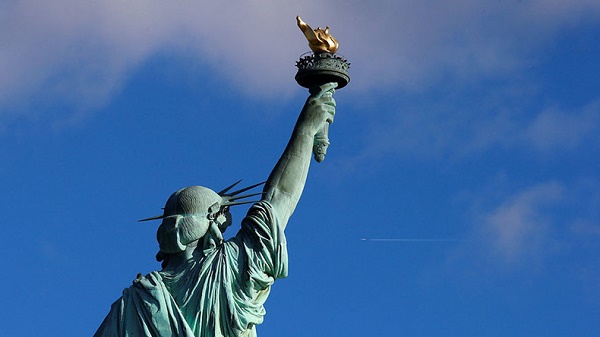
(541, 227)
(520, 226)
(83, 51)
(550, 131)
(451, 129)
(554, 129)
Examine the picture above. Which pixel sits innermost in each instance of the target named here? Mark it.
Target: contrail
(412, 240)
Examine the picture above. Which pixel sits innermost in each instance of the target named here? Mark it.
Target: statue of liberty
(213, 287)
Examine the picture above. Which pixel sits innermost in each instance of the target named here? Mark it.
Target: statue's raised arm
(286, 182)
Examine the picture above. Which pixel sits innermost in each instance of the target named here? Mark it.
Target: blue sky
(460, 195)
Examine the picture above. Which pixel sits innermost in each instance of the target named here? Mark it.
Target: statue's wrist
(303, 130)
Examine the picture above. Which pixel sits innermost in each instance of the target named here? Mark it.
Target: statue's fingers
(324, 101)
(329, 101)
(330, 113)
(326, 89)
(329, 119)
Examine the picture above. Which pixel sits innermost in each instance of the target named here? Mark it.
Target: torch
(318, 67)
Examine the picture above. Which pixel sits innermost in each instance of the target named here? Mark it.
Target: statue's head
(191, 211)
(188, 215)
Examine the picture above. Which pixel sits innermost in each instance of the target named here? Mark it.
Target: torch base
(320, 68)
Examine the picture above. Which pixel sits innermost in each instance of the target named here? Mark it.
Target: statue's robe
(219, 292)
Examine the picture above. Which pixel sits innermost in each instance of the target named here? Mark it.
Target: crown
(227, 199)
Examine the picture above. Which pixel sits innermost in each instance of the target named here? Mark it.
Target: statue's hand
(319, 109)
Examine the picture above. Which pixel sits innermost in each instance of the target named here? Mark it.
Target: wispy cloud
(555, 129)
(539, 227)
(519, 227)
(454, 129)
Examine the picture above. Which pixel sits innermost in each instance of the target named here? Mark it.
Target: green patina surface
(209, 286)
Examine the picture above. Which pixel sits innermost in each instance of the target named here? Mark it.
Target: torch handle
(321, 140)
(321, 143)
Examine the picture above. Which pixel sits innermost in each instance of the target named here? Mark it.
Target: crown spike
(235, 203)
(152, 218)
(244, 189)
(234, 198)
(229, 187)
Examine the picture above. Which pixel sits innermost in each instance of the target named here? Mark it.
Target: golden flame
(319, 40)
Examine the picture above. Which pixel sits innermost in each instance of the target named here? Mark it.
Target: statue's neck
(179, 260)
